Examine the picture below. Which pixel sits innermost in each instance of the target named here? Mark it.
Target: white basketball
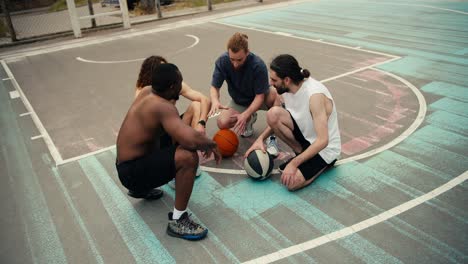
(258, 165)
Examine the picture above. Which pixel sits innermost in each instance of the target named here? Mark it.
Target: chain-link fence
(30, 19)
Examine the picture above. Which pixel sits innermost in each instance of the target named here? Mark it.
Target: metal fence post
(5, 4)
(158, 8)
(74, 18)
(91, 12)
(124, 10)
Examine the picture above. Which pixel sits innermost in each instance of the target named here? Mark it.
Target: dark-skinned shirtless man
(154, 146)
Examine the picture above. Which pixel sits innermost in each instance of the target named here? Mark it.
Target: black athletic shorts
(150, 171)
(314, 165)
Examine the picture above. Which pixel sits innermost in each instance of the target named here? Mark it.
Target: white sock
(177, 214)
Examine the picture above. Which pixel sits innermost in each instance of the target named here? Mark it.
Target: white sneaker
(172, 184)
(272, 146)
(248, 132)
(199, 171)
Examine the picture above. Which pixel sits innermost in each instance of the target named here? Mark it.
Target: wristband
(202, 122)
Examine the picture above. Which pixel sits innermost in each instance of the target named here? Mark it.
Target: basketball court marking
(47, 139)
(426, 6)
(59, 160)
(141, 59)
(311, 244)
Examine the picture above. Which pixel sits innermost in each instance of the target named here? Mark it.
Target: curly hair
(146, 71)
(237, 42)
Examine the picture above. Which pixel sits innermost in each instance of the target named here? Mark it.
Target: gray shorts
(241, 108)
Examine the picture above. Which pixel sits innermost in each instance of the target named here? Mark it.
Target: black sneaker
(153, 194)
(185, 228)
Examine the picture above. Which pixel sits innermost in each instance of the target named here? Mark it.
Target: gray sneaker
(272, 146)
(185, 228)
(248, 132)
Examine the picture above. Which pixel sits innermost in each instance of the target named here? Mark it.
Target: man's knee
(186, 158)
(194, 107)
(273, 115)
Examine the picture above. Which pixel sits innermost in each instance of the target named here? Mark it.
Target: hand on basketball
(258, 144)
(216, 107)
(215, 151)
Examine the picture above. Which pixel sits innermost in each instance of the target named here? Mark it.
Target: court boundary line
(279, 33)
(197, 40)
(35, 118)
(344, 232)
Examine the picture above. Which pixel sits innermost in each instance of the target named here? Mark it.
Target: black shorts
(314, 165)
(150, 171)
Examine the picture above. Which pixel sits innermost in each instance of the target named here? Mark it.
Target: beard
(282, 89)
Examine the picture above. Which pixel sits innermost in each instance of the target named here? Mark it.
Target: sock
(177, 214)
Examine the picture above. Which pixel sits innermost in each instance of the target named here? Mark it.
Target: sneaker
(153, 194)
(199, 171)
(185, 228)
(248, 132)
(272, 146)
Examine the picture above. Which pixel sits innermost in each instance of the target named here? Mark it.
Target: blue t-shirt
(251, 79)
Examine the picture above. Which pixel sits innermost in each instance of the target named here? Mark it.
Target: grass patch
(62, 4)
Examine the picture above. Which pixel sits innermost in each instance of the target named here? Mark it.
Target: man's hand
(216, 107)
(242, 118)
(215, 152)
(258, 144)
(289, 176)
(200, 128)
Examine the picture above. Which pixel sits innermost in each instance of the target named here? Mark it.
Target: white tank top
(298, 105)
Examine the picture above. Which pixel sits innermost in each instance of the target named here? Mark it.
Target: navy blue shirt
(243, 84)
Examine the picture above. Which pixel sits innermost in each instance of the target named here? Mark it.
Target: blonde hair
(237, 42)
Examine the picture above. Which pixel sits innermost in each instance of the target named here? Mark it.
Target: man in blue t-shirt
(246, 76)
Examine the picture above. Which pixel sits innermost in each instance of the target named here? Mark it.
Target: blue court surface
(398, 71)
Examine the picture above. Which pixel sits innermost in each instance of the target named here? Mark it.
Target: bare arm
(183, 134)
(196, 96)
(215, 103)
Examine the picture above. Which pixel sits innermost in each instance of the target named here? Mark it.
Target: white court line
(25, 114)
(6, 79)
(84, 155)
(417, 122)
(14, 94)
(426, 6)
(358, 70)
(197, 40)
(286, 252)
(48, 140)
(36, 137)
(307, 39)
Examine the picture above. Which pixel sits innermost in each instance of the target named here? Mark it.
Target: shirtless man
(148, 158)
(196, 114)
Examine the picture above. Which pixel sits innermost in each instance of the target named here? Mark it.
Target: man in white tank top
(307, 122)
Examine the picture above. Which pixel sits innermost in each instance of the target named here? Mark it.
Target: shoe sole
(187, 237)
(148, 196)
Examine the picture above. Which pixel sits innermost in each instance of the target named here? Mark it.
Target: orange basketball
(227, 142)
